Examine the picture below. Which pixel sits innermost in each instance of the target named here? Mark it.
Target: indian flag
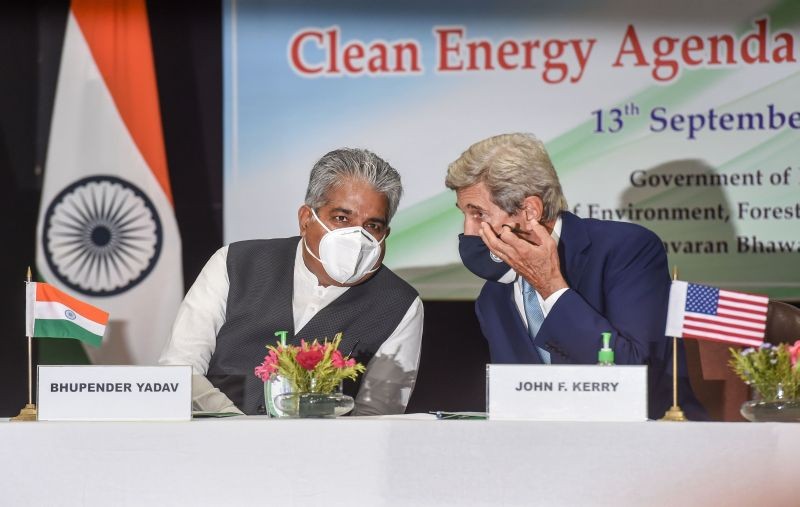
(107, 232)
(49, 313)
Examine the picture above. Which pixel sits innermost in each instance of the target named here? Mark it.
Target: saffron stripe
(118, 35)
(47, 293)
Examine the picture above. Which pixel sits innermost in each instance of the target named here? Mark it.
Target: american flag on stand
(709, 313)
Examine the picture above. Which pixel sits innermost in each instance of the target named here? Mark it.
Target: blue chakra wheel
(101, 236)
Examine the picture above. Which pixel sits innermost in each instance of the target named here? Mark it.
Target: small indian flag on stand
(49, 313)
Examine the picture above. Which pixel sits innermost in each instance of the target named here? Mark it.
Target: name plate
(114, 393)
(566, 392)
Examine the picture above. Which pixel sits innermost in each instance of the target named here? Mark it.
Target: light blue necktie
(534, 316)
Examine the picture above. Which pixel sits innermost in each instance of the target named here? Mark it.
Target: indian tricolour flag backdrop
(107, 232)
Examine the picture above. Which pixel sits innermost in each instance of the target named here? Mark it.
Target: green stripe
(60, 328)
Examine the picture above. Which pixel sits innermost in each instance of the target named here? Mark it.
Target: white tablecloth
(398, 461)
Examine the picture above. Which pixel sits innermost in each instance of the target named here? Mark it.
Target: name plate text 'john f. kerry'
(566, 392)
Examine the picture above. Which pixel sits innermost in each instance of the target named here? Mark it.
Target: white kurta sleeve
(194, 333)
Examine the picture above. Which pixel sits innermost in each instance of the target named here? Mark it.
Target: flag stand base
(674, 414)
(28, 413)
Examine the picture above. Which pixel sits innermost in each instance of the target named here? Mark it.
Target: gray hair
(350, 163)
(513, 167)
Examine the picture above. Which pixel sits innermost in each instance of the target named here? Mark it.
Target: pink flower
(340, 362)
(270, 365)
(794, 352)
(263, 372)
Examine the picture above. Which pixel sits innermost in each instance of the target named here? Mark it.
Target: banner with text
(681, 116)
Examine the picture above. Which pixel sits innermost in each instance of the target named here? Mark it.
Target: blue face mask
(477, 258)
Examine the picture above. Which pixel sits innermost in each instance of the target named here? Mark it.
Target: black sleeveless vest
(261, 275)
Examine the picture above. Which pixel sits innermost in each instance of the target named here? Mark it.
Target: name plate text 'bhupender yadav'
(114, 393)
(566, 392)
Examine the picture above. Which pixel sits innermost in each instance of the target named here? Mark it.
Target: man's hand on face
(535, 257)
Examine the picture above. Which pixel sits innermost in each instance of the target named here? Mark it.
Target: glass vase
(314, 405)
(779, 409)
(273, 388)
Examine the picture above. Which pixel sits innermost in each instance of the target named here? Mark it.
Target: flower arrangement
(772, 370)
(309, 368)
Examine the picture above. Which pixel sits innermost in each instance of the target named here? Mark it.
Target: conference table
(408, 460)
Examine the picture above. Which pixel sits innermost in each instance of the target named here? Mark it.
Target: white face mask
(347, 254)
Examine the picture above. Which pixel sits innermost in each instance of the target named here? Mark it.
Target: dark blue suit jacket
(619, 282)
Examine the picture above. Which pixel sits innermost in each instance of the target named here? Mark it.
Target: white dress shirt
(546, 304)
(388, 380)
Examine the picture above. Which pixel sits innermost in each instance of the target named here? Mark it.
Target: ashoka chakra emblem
(101, 236)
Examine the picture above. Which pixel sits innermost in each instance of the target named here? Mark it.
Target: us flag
(709, 313)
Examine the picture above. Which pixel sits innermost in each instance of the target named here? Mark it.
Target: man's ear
(303, 218)
(533, 207)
